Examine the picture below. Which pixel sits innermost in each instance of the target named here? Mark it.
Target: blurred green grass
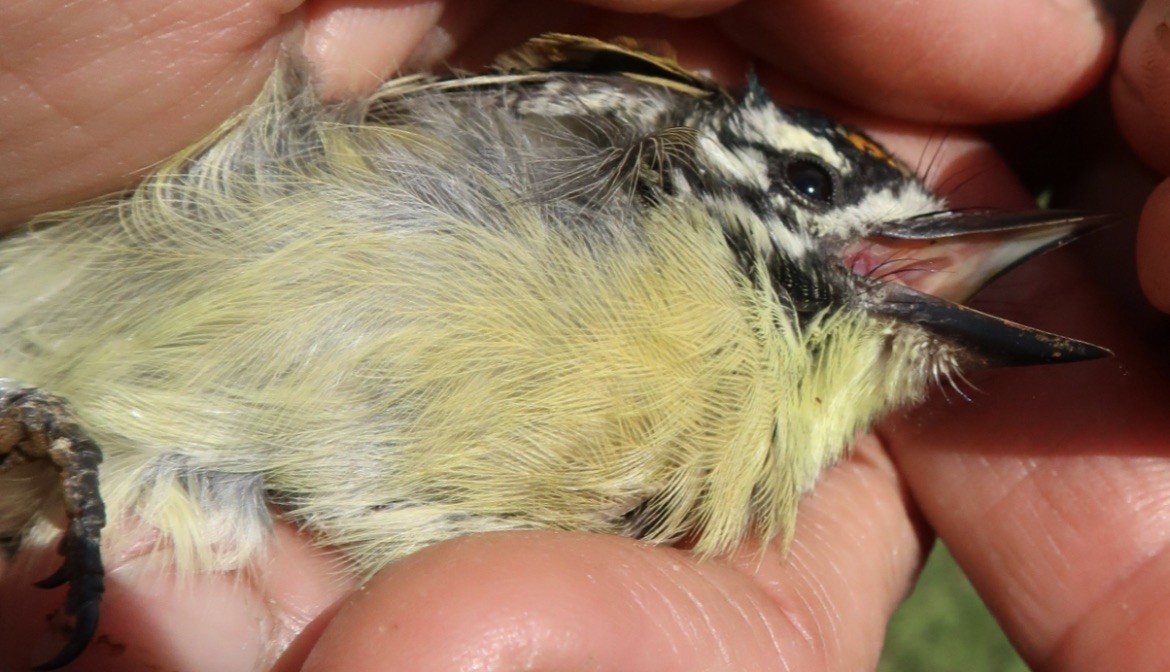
(944, 627)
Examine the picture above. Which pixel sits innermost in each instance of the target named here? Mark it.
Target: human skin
(1141, 98)
(1048, 485)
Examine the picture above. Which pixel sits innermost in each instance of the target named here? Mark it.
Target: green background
(944, 627)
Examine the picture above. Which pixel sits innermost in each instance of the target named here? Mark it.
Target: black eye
(810, 179)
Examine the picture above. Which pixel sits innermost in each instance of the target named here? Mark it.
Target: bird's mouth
(925, 265)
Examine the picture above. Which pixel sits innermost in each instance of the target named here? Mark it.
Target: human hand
(1049, 486)
(97, 93)
(1141, 100)
(556, 600)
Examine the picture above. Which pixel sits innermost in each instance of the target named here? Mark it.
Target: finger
(1141, 85)
(858, 547)
(101, 91)
(568, 601)
(151, 619)
(1141, 100)
(963, 62)
(1050, 486)
(674, 8)
(355, 45)
(1153, 247)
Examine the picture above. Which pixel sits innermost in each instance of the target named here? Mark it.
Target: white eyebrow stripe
(885, 206)
(743, 165)
(766, 125)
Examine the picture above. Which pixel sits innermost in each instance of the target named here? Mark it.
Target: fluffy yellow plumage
(512, 301)
(516, 374)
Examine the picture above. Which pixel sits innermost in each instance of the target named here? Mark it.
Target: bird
(585, 289)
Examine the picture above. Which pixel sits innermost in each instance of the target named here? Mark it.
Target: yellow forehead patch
(870, 147)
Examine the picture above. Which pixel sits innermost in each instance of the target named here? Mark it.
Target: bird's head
(837, 225)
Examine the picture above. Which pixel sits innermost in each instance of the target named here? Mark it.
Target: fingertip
(354, 46)
(505, 601)
(972, 62)
(565, 601)
(674, 8)
(1141, 86)
(1153, 247)
(556, 600)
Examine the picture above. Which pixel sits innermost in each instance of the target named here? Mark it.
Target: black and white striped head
(802, 171)
(835, 222)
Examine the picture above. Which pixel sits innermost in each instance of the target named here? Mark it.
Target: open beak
(934, 261)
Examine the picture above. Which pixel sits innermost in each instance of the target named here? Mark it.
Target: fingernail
(435, 47)
(354, 48)
(1090, 9)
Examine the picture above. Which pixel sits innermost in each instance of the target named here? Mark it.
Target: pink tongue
(951, 268)
(914, 263)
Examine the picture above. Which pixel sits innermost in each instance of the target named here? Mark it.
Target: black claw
(42, 427)
(84, 626)
(83, 571)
